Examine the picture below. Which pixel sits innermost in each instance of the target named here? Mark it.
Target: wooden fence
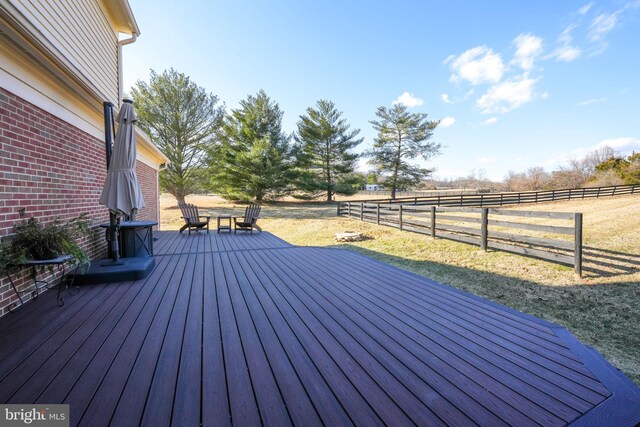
(418, 193)
(501, 199)
(484, 227)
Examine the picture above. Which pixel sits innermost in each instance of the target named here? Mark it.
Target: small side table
(59, 263)
(223, 226)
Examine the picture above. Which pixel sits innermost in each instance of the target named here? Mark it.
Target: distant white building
(374, 187)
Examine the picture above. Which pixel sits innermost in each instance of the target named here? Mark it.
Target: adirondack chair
(192, 219)
(249, 221)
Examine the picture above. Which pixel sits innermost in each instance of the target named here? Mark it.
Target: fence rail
(501, 199)
(497, 229)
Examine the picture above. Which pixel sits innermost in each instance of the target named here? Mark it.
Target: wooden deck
(249, 330)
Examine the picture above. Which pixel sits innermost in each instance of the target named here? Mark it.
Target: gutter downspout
(121, 43)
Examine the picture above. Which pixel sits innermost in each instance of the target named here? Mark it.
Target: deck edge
(623, 406)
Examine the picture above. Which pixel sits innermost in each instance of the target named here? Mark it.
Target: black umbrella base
(105, 271)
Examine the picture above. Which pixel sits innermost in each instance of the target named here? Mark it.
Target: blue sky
(515, 84)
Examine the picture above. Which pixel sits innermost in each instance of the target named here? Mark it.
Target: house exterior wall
(148, 179)
(81, 35)
(53, 170)
(59, 61)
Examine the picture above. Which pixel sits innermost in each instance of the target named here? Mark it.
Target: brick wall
(148, 179)
(52, 170)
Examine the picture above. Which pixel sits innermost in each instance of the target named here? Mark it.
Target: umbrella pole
(115, 246)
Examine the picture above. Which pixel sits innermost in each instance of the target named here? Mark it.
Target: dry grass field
(602, 309)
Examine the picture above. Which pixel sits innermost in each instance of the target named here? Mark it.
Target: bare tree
(535, 178)
(581, 170)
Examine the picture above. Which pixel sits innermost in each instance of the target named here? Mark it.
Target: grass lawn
(602, 309)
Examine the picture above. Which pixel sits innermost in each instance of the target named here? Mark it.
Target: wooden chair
(249, 221)
(192, 219)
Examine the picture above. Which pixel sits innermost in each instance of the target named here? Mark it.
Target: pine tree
(181, 118)
(323, 152)
(402, 136)
(253, 160)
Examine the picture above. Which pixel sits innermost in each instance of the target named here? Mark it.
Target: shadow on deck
(249, 330)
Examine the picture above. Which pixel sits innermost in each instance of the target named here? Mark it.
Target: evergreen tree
(627, 169)
(181, 118)
(323, 152)
(253, 160)
(402, 136)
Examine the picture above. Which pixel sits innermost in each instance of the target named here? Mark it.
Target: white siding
(83, 35)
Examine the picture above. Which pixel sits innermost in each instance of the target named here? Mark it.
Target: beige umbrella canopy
(121, 192)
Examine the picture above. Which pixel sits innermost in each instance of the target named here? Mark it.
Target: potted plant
(35, 240)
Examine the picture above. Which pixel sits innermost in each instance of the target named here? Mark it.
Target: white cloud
(486, 159)
(362, 165)
(602, 25)
(508, 95)
(491, 120)
(477, 65)
(623, 144)
(591, 101)
(528, 47)
(449, 173)
(447, 121)
(626, 144)
(407, 99)
(566, 51)
(585, 9)
(445, 98)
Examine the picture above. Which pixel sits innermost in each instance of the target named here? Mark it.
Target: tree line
(603, 166)
(244, 154)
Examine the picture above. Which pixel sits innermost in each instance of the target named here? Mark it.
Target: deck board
(423, 321)
(437, 351)
(247, 329)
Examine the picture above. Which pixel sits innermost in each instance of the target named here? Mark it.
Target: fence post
(400, 214)
(484, 229)
(338, 209)
(349, 209)
(433, 222)
(577, 251)
(361, 211)
(378, 213)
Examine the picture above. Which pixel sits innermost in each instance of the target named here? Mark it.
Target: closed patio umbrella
(121, 192)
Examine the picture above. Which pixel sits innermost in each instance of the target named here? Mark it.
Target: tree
(323, 151)
(533, 179)
(181, 118)
(253, 160)
(372, 178)
(581, 170)
(402, 136)
(626, 169)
